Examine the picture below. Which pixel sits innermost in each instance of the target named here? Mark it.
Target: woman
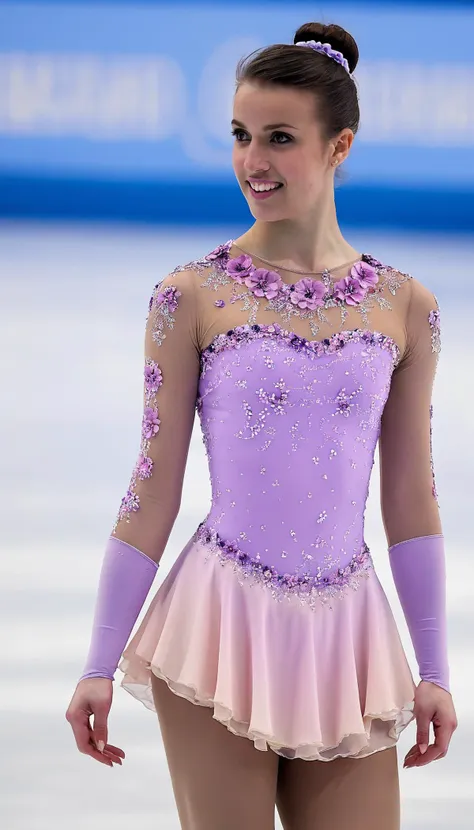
(298, 353)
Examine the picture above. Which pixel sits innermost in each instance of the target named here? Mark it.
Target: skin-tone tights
(221, 782)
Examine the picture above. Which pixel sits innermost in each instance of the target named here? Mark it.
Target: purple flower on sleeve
(130, 503)
(153, 377)
(349, 290)
(240, 267)
(264, 283)
(169, 297)
(308, 293)
(151, 422)
(365, 273)
(144, 467)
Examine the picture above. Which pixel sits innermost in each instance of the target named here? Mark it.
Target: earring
(335, 162)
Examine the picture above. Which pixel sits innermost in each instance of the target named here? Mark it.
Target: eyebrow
(268, 127)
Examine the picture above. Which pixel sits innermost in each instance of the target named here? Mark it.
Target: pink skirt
(306, 683)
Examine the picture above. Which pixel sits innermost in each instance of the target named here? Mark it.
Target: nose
(255, 161)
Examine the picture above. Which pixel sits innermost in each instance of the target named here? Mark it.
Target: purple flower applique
(130, 503)
(218, 252)
(240, 267)
(349, 290)
(308, 293)
(144, 467)
(365, 273)
(151, 422)
(153, 377)
(219, 303)
(371, 260)
(169, 297)
(264, 283)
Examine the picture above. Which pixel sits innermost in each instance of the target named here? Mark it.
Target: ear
(343, 144)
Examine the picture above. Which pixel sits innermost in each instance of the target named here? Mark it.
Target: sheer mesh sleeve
(408, 494)
(171, 375)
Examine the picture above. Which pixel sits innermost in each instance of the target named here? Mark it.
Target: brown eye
(236, 133)
(282, 135)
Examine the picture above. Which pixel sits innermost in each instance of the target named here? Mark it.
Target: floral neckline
(307, 293)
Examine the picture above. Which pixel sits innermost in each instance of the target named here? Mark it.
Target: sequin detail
(433, 489)
(310, 590)
(143, 469)
(163, 303)
(234, 338)
(306, 299)
(435, 326)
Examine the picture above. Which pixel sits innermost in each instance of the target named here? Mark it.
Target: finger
(430, 755)
(99, 727)
(114, 758)
(423, 721)
(116, 750)
(440, 746)
(411, 759)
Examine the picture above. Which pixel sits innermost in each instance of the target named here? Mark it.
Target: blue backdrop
(113, 110)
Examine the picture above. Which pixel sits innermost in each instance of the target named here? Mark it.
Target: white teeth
(260, 187)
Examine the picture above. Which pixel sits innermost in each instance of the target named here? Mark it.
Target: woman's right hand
(93, 696)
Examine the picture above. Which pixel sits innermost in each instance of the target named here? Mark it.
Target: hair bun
(339, 39)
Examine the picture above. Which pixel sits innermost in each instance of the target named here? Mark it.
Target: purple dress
(273, 614)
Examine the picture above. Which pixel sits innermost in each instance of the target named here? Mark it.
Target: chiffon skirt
(315, 684)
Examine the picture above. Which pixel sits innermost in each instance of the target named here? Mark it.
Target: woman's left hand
(432, 705)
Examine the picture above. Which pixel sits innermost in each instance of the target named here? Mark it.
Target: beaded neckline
(305, 296)
(313, 348)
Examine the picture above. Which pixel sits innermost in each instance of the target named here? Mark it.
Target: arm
(410, 509)
(151, 504)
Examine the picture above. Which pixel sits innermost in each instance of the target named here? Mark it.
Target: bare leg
(347, 793)
(220, 781)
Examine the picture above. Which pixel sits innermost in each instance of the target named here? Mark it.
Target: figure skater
(298, 353)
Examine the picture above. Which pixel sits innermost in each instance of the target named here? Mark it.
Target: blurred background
(115, 166)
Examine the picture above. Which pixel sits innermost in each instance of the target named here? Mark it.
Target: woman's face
(278, 140)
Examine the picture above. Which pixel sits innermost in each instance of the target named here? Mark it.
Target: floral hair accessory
(326, 49)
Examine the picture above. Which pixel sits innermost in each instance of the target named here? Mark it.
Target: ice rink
(73, 306)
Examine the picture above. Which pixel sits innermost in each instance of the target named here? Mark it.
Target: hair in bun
(335, 91)
(339, 39)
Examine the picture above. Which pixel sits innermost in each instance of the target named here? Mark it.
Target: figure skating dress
(273, 613)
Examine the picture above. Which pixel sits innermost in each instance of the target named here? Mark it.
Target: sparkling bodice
(290, 428)
(294, 383)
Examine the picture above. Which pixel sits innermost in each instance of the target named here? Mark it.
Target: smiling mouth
(264, 188)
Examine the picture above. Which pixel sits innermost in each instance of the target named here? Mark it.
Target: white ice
(73, 303)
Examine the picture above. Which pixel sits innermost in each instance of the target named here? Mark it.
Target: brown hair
(290, 65)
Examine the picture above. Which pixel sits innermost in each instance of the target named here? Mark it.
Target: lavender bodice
(290, 428)
(290, 424)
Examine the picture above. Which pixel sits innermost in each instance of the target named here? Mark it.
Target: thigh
(347, 793)
(219, 779)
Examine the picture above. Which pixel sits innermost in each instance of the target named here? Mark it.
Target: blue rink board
(114, 110)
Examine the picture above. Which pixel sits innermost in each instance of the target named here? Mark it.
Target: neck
(312, 243)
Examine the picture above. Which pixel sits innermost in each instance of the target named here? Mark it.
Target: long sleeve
(171, 375)
(408, 495)
(151, 503)
(409, 502)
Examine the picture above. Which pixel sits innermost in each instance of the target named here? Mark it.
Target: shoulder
(422, 299)
(183, 280)
(418, 300)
